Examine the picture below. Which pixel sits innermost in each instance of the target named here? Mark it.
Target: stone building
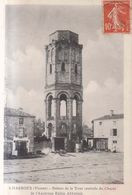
(108, 132)
(63, 89)
(18, 132)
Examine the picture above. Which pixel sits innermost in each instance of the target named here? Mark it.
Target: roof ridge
(113, 116)
(16, 112)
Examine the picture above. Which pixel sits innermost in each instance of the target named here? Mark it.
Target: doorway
(102, 144)
(59, 143)
(21, 147)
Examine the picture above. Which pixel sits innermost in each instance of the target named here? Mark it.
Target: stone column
(56, 114)
(28, 143)
(79, 108)
(13, 146)
(79, 118)
(46, 113)
(69, 115)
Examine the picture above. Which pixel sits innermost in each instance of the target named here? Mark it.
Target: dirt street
(88, 167)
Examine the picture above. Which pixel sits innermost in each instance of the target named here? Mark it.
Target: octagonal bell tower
(63, 90)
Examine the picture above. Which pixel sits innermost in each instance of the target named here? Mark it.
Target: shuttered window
(114, 132)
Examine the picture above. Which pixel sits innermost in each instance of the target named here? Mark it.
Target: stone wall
(13, 129)
(63, 78)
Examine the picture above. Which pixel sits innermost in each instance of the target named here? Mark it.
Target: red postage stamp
(116, 16)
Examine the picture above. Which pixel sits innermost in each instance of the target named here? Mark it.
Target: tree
(39, 127)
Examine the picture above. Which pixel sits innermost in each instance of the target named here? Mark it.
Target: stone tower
(63, 90)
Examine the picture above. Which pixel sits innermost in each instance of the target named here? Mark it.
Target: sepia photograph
(64, 85)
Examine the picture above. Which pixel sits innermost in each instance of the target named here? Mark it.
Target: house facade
(108, 132)
(18, 132)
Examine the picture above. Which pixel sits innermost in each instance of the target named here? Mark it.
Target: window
(75, 106)
(114, 142)
(63, 105)
(50, 68)
(52, 55)
(114, 132)
(75, 68)
(63, 108)
(100, 123)
(63, 66)
(21, 121)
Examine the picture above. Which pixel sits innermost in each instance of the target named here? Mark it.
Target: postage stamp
(116, 16)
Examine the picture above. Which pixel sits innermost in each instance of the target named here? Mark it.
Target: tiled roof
(107, 117)
(16, 112)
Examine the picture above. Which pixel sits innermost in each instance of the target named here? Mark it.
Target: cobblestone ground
(88, 167)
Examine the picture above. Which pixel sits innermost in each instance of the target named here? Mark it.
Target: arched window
(50, 68)
(75, 106)
(63, 105)
(76, 69)
(63, 108)
(63, 66)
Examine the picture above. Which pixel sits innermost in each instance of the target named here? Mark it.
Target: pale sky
(27, 31)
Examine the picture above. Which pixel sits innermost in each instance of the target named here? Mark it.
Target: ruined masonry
(63, 90)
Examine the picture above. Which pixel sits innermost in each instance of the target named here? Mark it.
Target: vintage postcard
(67, 127)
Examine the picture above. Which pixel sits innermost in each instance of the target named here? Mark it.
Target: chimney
(111, 112)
